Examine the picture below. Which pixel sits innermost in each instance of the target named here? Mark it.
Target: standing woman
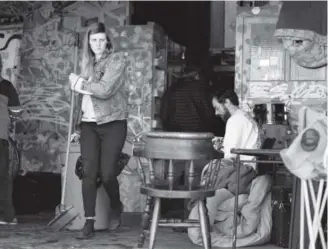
(102, 122)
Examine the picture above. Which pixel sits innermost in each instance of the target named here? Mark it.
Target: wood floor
(32, 233)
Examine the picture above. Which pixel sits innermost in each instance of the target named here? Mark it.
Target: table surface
(139, 152)
(256, 152)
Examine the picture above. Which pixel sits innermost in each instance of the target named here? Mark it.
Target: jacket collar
(104, 56)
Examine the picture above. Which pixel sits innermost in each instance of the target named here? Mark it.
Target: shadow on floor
(32, 233)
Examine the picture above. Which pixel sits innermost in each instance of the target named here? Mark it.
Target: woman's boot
(88, 230)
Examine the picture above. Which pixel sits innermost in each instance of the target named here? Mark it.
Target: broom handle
(68, 148)
(70, 127)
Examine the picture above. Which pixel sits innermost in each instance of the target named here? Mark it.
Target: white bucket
(73, 194)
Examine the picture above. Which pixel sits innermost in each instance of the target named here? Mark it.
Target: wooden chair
(173, 146)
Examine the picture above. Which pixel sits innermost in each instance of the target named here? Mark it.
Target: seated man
(241, 132)
(253, 226)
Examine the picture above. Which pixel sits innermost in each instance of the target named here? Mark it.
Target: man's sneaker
(12, 223)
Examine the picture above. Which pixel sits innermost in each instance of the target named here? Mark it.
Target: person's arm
(14, 105)
(110, 81)
(233, 136)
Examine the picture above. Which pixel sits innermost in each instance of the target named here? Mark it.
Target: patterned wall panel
(139, 76)
(139, 43)
(46, 60)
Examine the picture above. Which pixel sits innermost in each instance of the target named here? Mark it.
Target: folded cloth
(254, 216)
(249, 209)
(227, 178)
(302, 27)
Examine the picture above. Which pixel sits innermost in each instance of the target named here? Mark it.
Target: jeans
(7, 210)
(101, 146)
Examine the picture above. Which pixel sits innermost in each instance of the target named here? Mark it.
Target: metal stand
(249, 152)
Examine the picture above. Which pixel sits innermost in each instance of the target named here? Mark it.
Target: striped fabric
(186, 107)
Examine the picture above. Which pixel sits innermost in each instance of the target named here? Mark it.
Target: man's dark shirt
(186, 107)
(8, 98)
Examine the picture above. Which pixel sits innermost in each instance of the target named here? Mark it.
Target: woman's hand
(75, 137)
(217, 143)
(76, 82)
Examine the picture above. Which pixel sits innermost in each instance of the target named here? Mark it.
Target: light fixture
(256, 10)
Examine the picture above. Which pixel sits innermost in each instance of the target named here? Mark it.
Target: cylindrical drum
(73, 194)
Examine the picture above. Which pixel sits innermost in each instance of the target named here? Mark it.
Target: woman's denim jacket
(109, 89)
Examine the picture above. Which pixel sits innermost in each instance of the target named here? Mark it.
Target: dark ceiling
(185, 22)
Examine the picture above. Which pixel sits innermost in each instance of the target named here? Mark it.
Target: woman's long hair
(87, 55)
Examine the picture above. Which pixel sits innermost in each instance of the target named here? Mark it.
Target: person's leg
(225, 169)
(90, 147)
(6, 184)
(112, 137)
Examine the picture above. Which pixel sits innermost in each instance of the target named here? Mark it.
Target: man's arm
(14, 105)
(233, 136)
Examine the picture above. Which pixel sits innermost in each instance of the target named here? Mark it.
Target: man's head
(225, 102)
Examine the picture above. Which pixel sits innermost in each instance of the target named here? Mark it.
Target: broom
(66, 213)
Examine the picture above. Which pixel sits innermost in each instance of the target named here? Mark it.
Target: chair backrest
(178, 146)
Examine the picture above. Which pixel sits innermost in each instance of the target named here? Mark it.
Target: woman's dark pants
(101, 146)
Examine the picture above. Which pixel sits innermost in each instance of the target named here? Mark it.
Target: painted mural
(139, 43)
(264, 71)
(46, 59)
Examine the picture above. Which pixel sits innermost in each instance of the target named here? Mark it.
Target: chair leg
(154, 223)
(145, 219)
(204, 225)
